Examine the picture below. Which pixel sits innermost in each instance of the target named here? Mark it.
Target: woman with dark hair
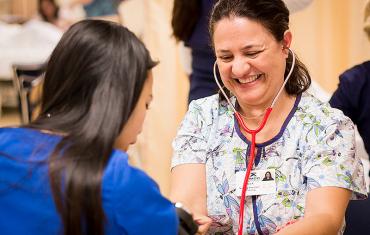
(189, 23)
(67, 172)
(267, 177)
(353, 99)
(263, 120)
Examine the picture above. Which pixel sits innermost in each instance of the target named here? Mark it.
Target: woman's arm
(188, 186)
(324, 212)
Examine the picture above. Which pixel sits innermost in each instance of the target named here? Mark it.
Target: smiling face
(250, 60)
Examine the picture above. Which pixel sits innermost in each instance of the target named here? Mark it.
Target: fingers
(204, 223)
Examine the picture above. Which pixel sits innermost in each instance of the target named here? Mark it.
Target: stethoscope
(253, 133)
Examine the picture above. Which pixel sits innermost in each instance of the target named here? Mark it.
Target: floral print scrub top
(314, 148)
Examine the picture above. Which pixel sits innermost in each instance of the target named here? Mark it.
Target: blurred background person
(190, 26)
(71, 10)
(59, 15)
(103, 9)
(352, 97)
(49, 11)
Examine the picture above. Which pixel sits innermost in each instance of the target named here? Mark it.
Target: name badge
(260, 182)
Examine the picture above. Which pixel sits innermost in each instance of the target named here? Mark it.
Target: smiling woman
(306, 144)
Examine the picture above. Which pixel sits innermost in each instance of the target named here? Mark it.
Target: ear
(287, 40)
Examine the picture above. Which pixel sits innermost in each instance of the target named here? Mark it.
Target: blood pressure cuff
(187, 226)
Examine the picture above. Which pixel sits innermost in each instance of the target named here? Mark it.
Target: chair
(26, 78)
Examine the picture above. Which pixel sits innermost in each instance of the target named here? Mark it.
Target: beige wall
(26, 8)
(169, 91)
(329, 39)
(151, 21)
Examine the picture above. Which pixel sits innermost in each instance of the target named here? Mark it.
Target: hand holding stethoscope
(253, 133)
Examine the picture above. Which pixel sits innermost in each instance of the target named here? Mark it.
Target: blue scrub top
(352, 97)
(131, 199)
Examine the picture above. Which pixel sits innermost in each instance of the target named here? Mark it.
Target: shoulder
(122, 182)
(19, 141)
(205, 104)
(13, 132)
(133, 199)
(312, 110)
(120, 176)
(351, 94)
(323, 128)
(204, 115)
(359, 68)
(7, 135)
(356, 74)
(309, 104)
(209, 107)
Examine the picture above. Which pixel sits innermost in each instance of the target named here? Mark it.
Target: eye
(225, 58)
(252, 54)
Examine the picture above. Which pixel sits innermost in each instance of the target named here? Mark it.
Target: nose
(240, 67)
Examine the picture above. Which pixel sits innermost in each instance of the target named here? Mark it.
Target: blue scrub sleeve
(139, 206)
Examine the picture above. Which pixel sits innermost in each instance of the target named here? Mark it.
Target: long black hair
(274, 16)
(93, 81)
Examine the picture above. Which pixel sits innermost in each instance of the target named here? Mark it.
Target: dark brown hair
(185, 14)
(274, 16)
(43, 14)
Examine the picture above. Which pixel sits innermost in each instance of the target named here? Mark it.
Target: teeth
(249, 79)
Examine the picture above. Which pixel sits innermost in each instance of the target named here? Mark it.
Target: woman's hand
(204, 222)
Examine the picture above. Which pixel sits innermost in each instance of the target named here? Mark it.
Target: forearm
(196, 205)
(189, 189)
(319, 224)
